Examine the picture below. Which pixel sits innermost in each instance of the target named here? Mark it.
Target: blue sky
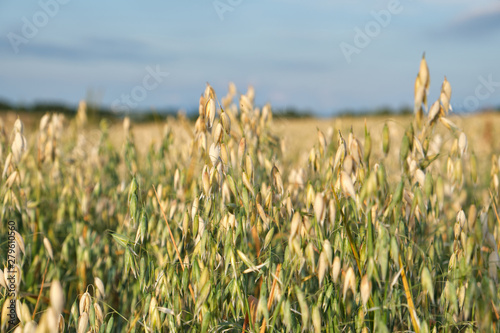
(290, 51)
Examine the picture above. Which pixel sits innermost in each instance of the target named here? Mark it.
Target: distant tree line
(99, 112)
(93, 112)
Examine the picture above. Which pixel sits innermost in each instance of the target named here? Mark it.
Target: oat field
(244, 223)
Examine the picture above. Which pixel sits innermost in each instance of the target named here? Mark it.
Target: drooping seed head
(209, 92)
(278, 182)
(341, 153)
(336, 269)
(60, 323)
(100, 287)
(348, 165)
(18, 126)
(462, 144)
(316, 319)
(434, 112)
(218, 133)
(85, 302)
(226, 122)
(427, 284)
(99, 317)
(83, 323)
(44, 121)
(422, 83)
(210, 111)
(349, 282)
(332, 210)
(19, 240)
(249, 166)
(242, 147)
(201, 107)
(448, 123)
(19, 146)
(48, 247)
(56, 296)
(214, 153)
(347, 185)
(319, 207)
(445, 96)
(365, 289)
(295, 225)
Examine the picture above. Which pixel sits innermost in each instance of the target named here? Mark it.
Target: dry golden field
(300, 134)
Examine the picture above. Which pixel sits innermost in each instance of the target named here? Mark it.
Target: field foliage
(226, 228)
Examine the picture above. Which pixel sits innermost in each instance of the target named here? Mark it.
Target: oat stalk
(41, 289)
(409, 299)
(271, 296)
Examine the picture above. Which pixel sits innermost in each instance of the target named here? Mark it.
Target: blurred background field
(298, 133)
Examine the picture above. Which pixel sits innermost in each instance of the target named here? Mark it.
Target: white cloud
(478, 12)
